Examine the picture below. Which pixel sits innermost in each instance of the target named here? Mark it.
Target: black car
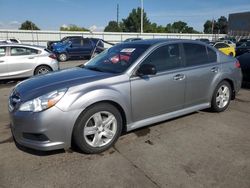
(204, 40)
(241, 41)
(245, 66)
(243, 48)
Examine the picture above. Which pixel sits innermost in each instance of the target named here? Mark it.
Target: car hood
(42, 84)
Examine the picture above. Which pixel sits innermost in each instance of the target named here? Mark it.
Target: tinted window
(195, 54)
(212, 56)
(221, 45)
(86, 42)
(16, 51)
(2, 51)
(76, 41)
(165, 58)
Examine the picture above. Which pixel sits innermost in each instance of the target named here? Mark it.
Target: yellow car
(225, 48)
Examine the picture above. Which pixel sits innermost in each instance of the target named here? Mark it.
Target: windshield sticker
(128, 50)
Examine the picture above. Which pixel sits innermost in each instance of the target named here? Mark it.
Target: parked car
(230, 43)
(244, 60)
(20, 61)
(9, 41)
(78, 48)
(241, 41)
(126, 87)
(225, 48)
(204, 40)
(244, 48)
(50, 44)
(132, 39)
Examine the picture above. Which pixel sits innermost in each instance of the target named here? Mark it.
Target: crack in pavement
(134, 165)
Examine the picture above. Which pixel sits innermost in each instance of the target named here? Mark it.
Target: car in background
(78, 48)
(241, 41)
(244, 60)
(9, 41)
(132, 39)
(51, 44)
(128, 86)
(20, 61)
(243, 48)
(204, 40)
(230, 43)
(225, 48)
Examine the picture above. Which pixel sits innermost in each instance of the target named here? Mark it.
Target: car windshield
(117, 59)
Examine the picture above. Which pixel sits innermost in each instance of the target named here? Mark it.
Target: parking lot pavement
(202, 149)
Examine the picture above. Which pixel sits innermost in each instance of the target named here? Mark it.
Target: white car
(230, 43)
(20, 61)
(9, 41)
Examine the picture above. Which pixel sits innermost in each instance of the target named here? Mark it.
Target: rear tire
(43, 69)
(97, 128)
(63, 57)
(221, 97)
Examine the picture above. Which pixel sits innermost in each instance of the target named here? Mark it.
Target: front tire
(97, 128)
(221, 97)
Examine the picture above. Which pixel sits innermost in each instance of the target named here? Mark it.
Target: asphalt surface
(202, 149)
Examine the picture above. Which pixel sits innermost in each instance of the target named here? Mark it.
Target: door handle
(215, 69)
(179, 77)
(1, 61)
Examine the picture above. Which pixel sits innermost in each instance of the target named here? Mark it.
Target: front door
(161, 93)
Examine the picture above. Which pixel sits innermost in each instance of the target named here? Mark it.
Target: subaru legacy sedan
(126, 87)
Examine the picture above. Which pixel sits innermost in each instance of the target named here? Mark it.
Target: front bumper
(53, 126)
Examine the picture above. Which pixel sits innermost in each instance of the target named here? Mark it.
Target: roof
(22, 45)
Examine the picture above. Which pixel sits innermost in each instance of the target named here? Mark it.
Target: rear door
(161, 93)
(22, 61)
(3, 62)
(202, 69)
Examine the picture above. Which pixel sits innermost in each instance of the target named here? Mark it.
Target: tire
(62, 57)
(221, 97)
(93, 133)
(43, 69)
(231, 54)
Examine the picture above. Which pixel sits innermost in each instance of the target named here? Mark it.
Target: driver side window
(165, 58)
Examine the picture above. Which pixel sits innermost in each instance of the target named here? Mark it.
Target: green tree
(133, 22)
(113, 26)
(222, 25)
(73, 27)
(28, 25)
(208, 27)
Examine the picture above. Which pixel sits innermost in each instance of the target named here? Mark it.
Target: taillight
(52, 56)
(237, 64)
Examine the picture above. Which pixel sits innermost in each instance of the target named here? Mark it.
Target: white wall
(41, 37)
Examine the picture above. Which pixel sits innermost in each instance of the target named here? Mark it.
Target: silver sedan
(19, 61)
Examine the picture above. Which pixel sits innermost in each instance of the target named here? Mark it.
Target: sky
(95, 14)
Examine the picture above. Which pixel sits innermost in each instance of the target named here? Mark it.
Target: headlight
(43, 102)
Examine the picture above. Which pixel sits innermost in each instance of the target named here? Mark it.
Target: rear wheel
(231, 54)
(221, 97)
(63, 57)
(97, 128)
(42, 70)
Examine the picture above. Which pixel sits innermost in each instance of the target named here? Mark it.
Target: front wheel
(97, 128)
(63, 57)
(221, 97)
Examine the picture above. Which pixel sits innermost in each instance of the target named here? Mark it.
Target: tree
(208, 27)
(28, 25)
(180, 27)
(133, 22)
(113, 26)
(222, 25)
(73, 27)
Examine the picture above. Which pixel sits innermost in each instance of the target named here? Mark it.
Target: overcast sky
(51, 14)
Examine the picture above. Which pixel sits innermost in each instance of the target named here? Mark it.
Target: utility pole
(117, 14)
(141, 16)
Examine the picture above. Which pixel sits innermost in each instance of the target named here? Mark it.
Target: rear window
(197, 54)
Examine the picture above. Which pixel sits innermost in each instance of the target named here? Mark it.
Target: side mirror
(146, 69)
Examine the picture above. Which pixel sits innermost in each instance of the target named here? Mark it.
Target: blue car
(77, 47)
